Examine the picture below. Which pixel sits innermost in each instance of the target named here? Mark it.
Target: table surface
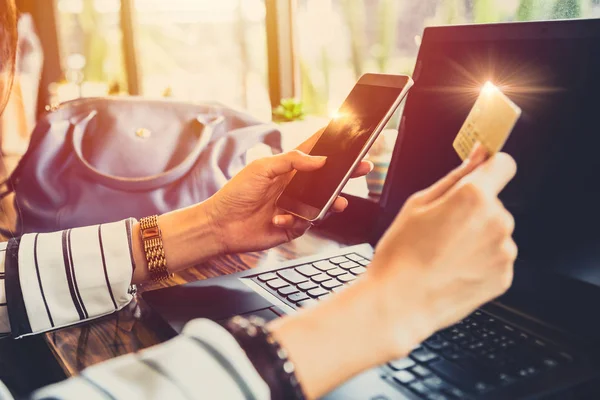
(132, 329)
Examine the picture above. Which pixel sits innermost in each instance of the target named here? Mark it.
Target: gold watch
(153, 248)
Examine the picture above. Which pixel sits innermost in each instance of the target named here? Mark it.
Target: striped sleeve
(4, 323)
(53, 280)
(205, 362)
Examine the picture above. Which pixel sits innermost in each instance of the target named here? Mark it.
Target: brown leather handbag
(98, 160)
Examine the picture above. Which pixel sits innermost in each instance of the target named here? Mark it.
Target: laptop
(541, 339)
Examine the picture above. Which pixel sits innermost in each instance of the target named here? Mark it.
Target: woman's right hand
(449, 251)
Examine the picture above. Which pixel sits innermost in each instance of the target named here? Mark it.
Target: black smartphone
(345, 142)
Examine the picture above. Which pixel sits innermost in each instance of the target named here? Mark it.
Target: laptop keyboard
(470, 359)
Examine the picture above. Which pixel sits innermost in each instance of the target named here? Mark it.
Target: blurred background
(235, 51)
(289, 60)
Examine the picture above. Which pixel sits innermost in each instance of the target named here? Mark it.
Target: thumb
(478, 155)
(290, 161)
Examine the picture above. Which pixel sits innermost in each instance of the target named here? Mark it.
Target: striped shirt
(52, 280)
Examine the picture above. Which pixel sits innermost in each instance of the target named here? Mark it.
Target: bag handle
(150, 182)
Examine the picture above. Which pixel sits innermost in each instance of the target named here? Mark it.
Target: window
(199, 50)
(341, 39)
(192, 50)
(91, 49)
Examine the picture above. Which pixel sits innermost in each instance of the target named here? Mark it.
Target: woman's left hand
(244, 212)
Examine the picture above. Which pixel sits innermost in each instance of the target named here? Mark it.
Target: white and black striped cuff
(205, 362)
(53, 280)
(4, 322)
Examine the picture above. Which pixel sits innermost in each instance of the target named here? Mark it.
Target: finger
(477, 156)
(284, 221)
(287, 162)
(298, 228)
(494, 174)
(339, 205)
(309, 143)
(362, 169)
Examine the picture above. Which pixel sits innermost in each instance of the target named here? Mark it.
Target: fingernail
(475, 149)
(478, 154)
(319, 158)
(278, 220)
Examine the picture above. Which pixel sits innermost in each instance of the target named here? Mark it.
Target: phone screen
(342, 142)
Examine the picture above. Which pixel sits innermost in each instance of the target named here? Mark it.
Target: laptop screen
(552, 71)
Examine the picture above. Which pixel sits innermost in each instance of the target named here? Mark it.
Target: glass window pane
(341, 39)
(91, 49)
(204, 50)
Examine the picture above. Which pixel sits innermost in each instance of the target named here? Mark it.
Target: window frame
(283, 62)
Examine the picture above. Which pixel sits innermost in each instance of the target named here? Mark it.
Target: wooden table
(131, 329)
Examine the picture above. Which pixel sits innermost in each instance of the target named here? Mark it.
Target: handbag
(98, 160)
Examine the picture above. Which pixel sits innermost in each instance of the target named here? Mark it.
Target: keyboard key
(451, 353)
(549, 363)
(267, 277)
(276, 283)
(292, 276)
(435, 383)
(505, 379)
(296, 297)
(527, 372)
(437, 344)
(364, 263)
(358, 270)
(330, 284)
(284, 291)
(317, 292)
(338, 260)
(423, 355)
(307, 285)
(307, 302)
(421, 371)
(401, 364)
(324, 265)
(324, 296)
(463, 377)
(453, 373)
(336, 272)
(403, 377)
(419, 388)
(437, 396)
(349, 265)
(482, 387)
(354, 257)
(339, 289)
(307, 270)
(346, 278)
(320, 278)
(456, 393)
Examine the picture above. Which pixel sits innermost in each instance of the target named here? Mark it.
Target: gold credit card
(490, 122)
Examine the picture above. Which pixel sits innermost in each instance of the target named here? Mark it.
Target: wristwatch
(153, 248)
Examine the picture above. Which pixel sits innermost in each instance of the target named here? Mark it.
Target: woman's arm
(53, 280)
(449, 251)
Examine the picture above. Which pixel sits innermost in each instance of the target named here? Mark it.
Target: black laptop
(540, 340)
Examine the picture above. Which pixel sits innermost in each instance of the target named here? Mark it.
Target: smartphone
(345, 142)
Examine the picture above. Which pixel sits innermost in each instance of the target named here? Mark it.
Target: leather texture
(100, 160)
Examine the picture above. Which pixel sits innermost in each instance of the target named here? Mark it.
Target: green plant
(564, 9)
(289, 110)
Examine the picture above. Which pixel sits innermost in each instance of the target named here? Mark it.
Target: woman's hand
(244, 211)
(448, 251)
